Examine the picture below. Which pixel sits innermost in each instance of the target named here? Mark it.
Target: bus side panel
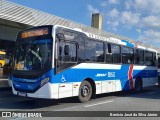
(148, 74)
(76, 86)
(111, 86)
(108, 78)
(98, 87)
(65, 90)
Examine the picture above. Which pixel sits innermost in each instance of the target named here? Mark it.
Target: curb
(4, 83)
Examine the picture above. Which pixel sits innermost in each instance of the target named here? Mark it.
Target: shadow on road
(10, 101)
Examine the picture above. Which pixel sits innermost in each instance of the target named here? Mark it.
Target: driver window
(61, 56)
(67, 55)
(71, 55)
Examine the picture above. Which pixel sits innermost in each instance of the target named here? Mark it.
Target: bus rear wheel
(138, 85)
(85, 91)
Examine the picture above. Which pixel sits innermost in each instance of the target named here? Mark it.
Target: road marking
(152, 92)
(98, 104)
(64, 109)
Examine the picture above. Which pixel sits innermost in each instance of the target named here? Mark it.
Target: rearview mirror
(60, 36)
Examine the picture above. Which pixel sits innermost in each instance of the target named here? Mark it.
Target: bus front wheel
(85, 91)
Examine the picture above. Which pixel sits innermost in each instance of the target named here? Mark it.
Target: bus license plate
(22, 94)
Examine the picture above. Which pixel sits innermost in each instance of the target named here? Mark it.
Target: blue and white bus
(55, 62)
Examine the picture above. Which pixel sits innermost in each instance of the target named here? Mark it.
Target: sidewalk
(3, 80)
(3, 83)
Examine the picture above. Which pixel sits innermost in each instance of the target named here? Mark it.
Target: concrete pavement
(3, 79)
(147, 100)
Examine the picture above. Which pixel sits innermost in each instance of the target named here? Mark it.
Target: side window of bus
(71, 55)
(154, 59)
(116, 53)
(136, 56)
(80, 40)
(67, 52)
(99, 52)
(108, 53)
(94, 50)
(148, 58)
(141, 57)
(90, 47)
(158, 62)
(127, 55)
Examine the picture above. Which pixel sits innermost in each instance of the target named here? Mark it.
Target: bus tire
(138, 85)
(85, 91)
(0, 65)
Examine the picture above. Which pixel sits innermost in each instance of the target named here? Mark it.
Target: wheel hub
(85, 91)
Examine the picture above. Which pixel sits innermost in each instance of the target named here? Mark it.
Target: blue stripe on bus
(128, 43)
(78, 75)
(26, 86)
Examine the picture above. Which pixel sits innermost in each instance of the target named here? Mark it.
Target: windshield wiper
(34, 53)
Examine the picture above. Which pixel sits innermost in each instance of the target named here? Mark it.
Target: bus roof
(124, 42)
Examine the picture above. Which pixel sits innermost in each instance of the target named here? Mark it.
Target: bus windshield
(33, 55)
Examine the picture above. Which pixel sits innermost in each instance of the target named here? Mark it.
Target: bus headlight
(44, 81)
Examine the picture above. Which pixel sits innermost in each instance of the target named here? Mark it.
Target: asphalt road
(147, 100)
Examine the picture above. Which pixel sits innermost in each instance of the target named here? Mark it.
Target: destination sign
(33, 33)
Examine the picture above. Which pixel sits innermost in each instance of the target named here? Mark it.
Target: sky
(135, 19)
